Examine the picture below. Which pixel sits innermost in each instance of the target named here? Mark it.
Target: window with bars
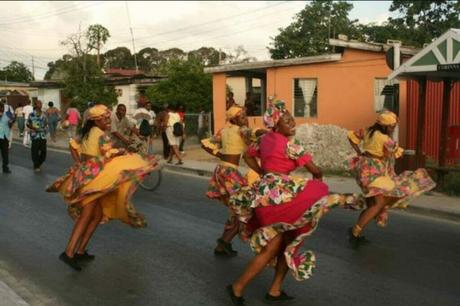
(305, 98)
(383, 94)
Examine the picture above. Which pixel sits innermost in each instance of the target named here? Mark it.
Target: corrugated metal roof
(275, 63)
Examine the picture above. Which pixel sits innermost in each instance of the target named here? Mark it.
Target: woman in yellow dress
(99, 186)
(228, 145)
(374, 170)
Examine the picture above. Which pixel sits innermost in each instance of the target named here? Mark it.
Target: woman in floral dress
(99, 186)
(279, 211)
(374, 171)
(228, 145)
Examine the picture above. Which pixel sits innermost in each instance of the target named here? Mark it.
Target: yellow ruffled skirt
(110, 182)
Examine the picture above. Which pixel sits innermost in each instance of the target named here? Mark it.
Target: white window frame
(310, 92)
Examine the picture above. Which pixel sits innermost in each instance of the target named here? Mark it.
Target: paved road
(415, 261)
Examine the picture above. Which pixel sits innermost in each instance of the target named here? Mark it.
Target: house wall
(345, 90)
(128, 97)
(48, 94)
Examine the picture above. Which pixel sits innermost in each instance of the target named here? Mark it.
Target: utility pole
(132, 36)
(33, 68)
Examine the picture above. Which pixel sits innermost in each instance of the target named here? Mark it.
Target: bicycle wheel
(152, 180)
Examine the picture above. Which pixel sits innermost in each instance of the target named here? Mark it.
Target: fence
(198, 125)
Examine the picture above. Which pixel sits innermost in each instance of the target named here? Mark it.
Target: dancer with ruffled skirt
(373, 168)
(99, 186)
(279, 211)
(228, 145)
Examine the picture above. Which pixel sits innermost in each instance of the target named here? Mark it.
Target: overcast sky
(35, 28)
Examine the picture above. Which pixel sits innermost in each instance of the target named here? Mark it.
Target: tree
(97, 36)
(84, 80)
(422, 21)
(57, 69)
(16, 72)
(240, 55)
(149, 60)
(308, 34)
(186, 84)
(119, 57)
(207, 56)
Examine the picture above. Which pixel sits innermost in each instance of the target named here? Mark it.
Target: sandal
(236, 300)
(180, 163)
(84, 257)
(356, 242)
(224, 249)
(282, 297)
(70, 261)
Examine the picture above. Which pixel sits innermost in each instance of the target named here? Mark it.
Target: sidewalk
(198, 162)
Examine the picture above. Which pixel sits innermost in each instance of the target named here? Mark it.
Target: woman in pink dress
(280, 211)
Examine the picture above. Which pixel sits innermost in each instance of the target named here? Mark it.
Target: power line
(132, 36)
(207, 22)
(251, 26)
(56, 13)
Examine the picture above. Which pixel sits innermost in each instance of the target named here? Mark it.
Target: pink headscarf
(273, 113)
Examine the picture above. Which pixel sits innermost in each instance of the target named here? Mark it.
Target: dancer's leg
(257, 264)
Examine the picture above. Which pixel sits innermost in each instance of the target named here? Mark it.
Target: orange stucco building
(345, 88)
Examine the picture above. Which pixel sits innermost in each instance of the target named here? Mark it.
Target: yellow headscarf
(98, 111)
(387, 118)
(233, 111)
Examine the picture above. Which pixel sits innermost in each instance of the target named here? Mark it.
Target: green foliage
(83, 79)
(420, 22)
(97, 36)
(452, 183)
(84, 82)
(119, 57)
(57, 69)
(186, 84)
(16, 72)
(308, 34)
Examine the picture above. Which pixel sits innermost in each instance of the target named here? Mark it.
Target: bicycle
(153, 179)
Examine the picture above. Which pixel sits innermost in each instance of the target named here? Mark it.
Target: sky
(34, 29)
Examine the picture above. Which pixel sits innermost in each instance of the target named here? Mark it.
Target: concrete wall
(48, 94)
(127, 97)
(345, 90)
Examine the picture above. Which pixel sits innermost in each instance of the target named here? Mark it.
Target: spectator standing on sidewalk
(148, 107)
(9, 110)
(38, 125)
(174, 131)
(161, 125)
(27, 110)
(5, 125)
(181, 112)
(52, 114)
(19, 112)
(73, 116)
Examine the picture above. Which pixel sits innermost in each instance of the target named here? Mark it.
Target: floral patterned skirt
(111, 182)
(377, 177)
(225, 181)
(280, 204)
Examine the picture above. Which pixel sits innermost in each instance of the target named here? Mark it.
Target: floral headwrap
(98, 111)
(233, 111)
(273, 113)
(387, 118)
